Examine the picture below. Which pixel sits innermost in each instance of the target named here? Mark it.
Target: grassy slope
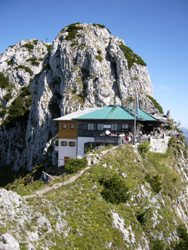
(89, 216)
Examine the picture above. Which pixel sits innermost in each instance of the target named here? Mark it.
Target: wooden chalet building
(92, 127)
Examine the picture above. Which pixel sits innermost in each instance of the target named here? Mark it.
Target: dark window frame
(72, 144)
(64, 143)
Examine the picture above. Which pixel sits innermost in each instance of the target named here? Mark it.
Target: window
(72, 126)
(100, 126)
(90, 126)
(125, 126)
(64, 125)
(72, 143)
(107, 126)
(114, 127)
(63, 143)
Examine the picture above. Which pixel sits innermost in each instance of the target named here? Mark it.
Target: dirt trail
(95, 158)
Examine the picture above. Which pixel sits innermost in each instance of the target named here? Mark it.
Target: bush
(49, 47)
(74, 165)
(4, 81)
(141, 218)
(73, 31)
(115, 190)
(131, 56)
(156, 104)
(28, 46)
(7, 97)
(99, 58)
(33, 61)
(157, 245)
(183, 236)
(155, 182)
(101, 26)
(143, 148)
(19, 108)
(27, 69)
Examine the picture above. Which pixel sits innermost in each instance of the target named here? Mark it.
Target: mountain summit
(85, 66)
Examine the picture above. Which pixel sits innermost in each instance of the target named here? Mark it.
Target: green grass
(131, 56)
(75, 165)
(102, 26)
(4, 81)
(89, 215)
(156, 104)
(73, 31)
(29, 46)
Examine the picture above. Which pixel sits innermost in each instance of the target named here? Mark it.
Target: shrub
(4, 81)
(183, 238)
(115, 190)
(101, 26)
(19, 108)
(48, 46)
(7, 97)
(156, 104)
(33, 61)
(155, 182)
(157, 245)
(143, 148)
(27, 69)
(99, 58)
(35, 42)
(28, 46)
(10, 62)
(73, 31)
(131, 56)
(74, 165)
(141, 218)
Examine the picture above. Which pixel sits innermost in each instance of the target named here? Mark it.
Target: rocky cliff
(85, 66)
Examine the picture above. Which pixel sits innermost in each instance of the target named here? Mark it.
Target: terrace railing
(109, 139)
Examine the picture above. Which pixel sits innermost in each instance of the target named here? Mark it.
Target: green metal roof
(107, 113)
(144, 116)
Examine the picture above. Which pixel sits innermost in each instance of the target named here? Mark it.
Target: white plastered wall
(81, 142)
(66, 151)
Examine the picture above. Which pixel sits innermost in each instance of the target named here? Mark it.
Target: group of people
(126, 138)
(139, 136)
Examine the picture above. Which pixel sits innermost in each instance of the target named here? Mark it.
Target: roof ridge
(112, 109)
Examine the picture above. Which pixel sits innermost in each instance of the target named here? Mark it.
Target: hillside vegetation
(124, 202)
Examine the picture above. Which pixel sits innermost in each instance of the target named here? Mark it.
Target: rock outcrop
(85, 66)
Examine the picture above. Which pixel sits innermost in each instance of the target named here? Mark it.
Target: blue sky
(156, 30)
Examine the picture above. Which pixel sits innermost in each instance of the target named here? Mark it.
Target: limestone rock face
(85, 67)
(27, 224)
(94, 70)
(23, 61)
(7, 242)
(20, 64)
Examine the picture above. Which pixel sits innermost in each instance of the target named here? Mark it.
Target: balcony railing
(109, 139)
